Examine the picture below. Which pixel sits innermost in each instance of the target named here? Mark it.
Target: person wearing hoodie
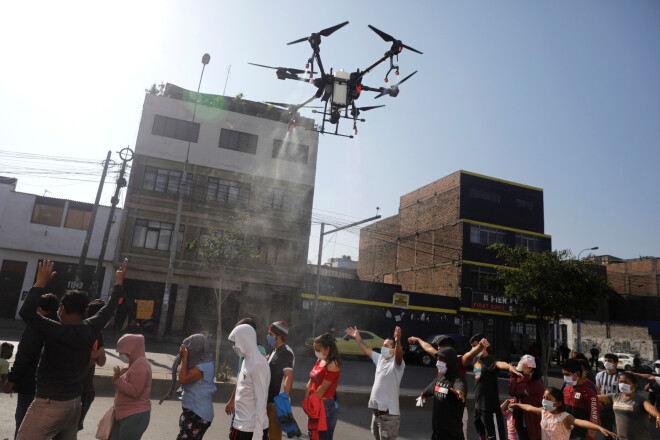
(195, 364)
(55, 410)
(22, 376)
(448, 389)
(132, 388)
(250, 418)
(384, 399)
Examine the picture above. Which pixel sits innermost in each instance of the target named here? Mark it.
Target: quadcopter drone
(339, 90)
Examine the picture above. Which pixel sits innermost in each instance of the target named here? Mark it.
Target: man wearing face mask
(448, 390)
(488, 418)
(384, 399)
(608, 382)
(280, 361)
(251, 419)
(580, 399)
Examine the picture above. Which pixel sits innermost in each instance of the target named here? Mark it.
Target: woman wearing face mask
(323, 380)
(448, 390)
(527, 389)
(556, 424)
(631, 409)
(132, 388)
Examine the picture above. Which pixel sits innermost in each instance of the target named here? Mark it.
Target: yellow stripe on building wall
(375, 303)
(490, 225)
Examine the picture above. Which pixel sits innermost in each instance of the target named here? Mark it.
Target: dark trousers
(235, 434)
(86, 400)
(490, 424)
(22, 404)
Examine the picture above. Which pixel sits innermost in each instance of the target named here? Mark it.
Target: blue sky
(561, 95)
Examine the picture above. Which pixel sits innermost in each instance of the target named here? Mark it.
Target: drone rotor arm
(414, 50)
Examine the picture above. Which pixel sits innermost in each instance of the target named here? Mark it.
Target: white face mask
(386, 352)
(657, 370)
(319, 355)
(238, 351)
(609, 366)
(442, 367)
(625, 388)
(569, 380)
(124, 358)
(548, 405)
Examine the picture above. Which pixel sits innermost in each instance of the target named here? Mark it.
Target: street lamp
(177, 223)
(579, 321)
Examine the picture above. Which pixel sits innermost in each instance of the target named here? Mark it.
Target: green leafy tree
(156, 89)
(221, 251)
(549, 285)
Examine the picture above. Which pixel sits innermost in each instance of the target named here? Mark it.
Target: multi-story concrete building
(242, 159)
(437, 243)
(34, 228)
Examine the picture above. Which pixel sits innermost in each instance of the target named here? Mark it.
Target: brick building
(437, 243)
(242, 160)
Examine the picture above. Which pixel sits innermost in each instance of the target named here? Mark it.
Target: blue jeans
(330, 419)
(22, 404)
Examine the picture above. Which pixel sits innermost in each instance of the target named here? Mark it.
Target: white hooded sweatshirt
(252, 383)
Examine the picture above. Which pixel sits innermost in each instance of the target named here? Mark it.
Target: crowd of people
(63, 343)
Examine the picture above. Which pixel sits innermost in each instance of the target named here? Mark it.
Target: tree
(549, 285)
(156, 89)
(220, 252)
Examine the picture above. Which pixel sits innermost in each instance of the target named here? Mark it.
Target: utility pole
(92, 220)
(126, 156)
(177, 223)
(318, 264)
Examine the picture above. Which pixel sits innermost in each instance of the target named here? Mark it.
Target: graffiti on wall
(633, 346)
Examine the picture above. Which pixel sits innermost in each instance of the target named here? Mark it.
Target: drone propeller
(291, 106)
(396, 44)
(371, 107)
(290, 70)
(394, 90)
(325, 33)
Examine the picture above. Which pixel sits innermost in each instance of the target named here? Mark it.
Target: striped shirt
(607, 383)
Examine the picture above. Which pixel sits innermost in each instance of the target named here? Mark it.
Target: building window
(175, 128)
(525, 204)
(78, 216)
(155, 235)
(277, 252)
(481, 194)
(161, 180)
(48, 211)
(227, 191)
(484, 279)
(238, 141)
(278, 199)
(290, 151)
(486, 236)
(531, 242)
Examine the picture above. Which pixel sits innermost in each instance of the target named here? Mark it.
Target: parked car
(415, 354)
(347, 345)
(625, 361)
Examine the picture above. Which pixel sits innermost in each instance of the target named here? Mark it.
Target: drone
(339, 90)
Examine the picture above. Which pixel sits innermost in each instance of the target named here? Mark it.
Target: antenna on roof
(45, 192)
(226, 80)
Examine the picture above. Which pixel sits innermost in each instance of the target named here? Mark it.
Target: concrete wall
(206, 151)
(614, 338)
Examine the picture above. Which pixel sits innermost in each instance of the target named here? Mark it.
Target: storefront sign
(488, 301)
(145, 309)
(400, 300)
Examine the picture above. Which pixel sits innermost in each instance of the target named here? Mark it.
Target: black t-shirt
(486, 391)
(88, 383)
(447, 408)
(279, 360)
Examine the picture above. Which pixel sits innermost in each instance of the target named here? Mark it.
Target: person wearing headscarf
(448, 390)
(132, 388)
(195, 367)
(527, 389)
(250, 420)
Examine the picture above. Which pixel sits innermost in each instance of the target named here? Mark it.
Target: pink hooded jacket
(134, 386)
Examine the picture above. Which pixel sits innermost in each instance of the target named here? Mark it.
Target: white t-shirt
(385, 392)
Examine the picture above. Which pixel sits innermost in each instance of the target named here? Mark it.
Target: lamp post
(318, 264)
(579, 321)
(174, 240)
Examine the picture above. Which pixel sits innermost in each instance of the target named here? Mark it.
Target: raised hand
(397, 334)
(120, 274)
(354, 333)
(413, 340)
(44, 273)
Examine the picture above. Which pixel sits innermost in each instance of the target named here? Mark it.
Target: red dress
(318, 374)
